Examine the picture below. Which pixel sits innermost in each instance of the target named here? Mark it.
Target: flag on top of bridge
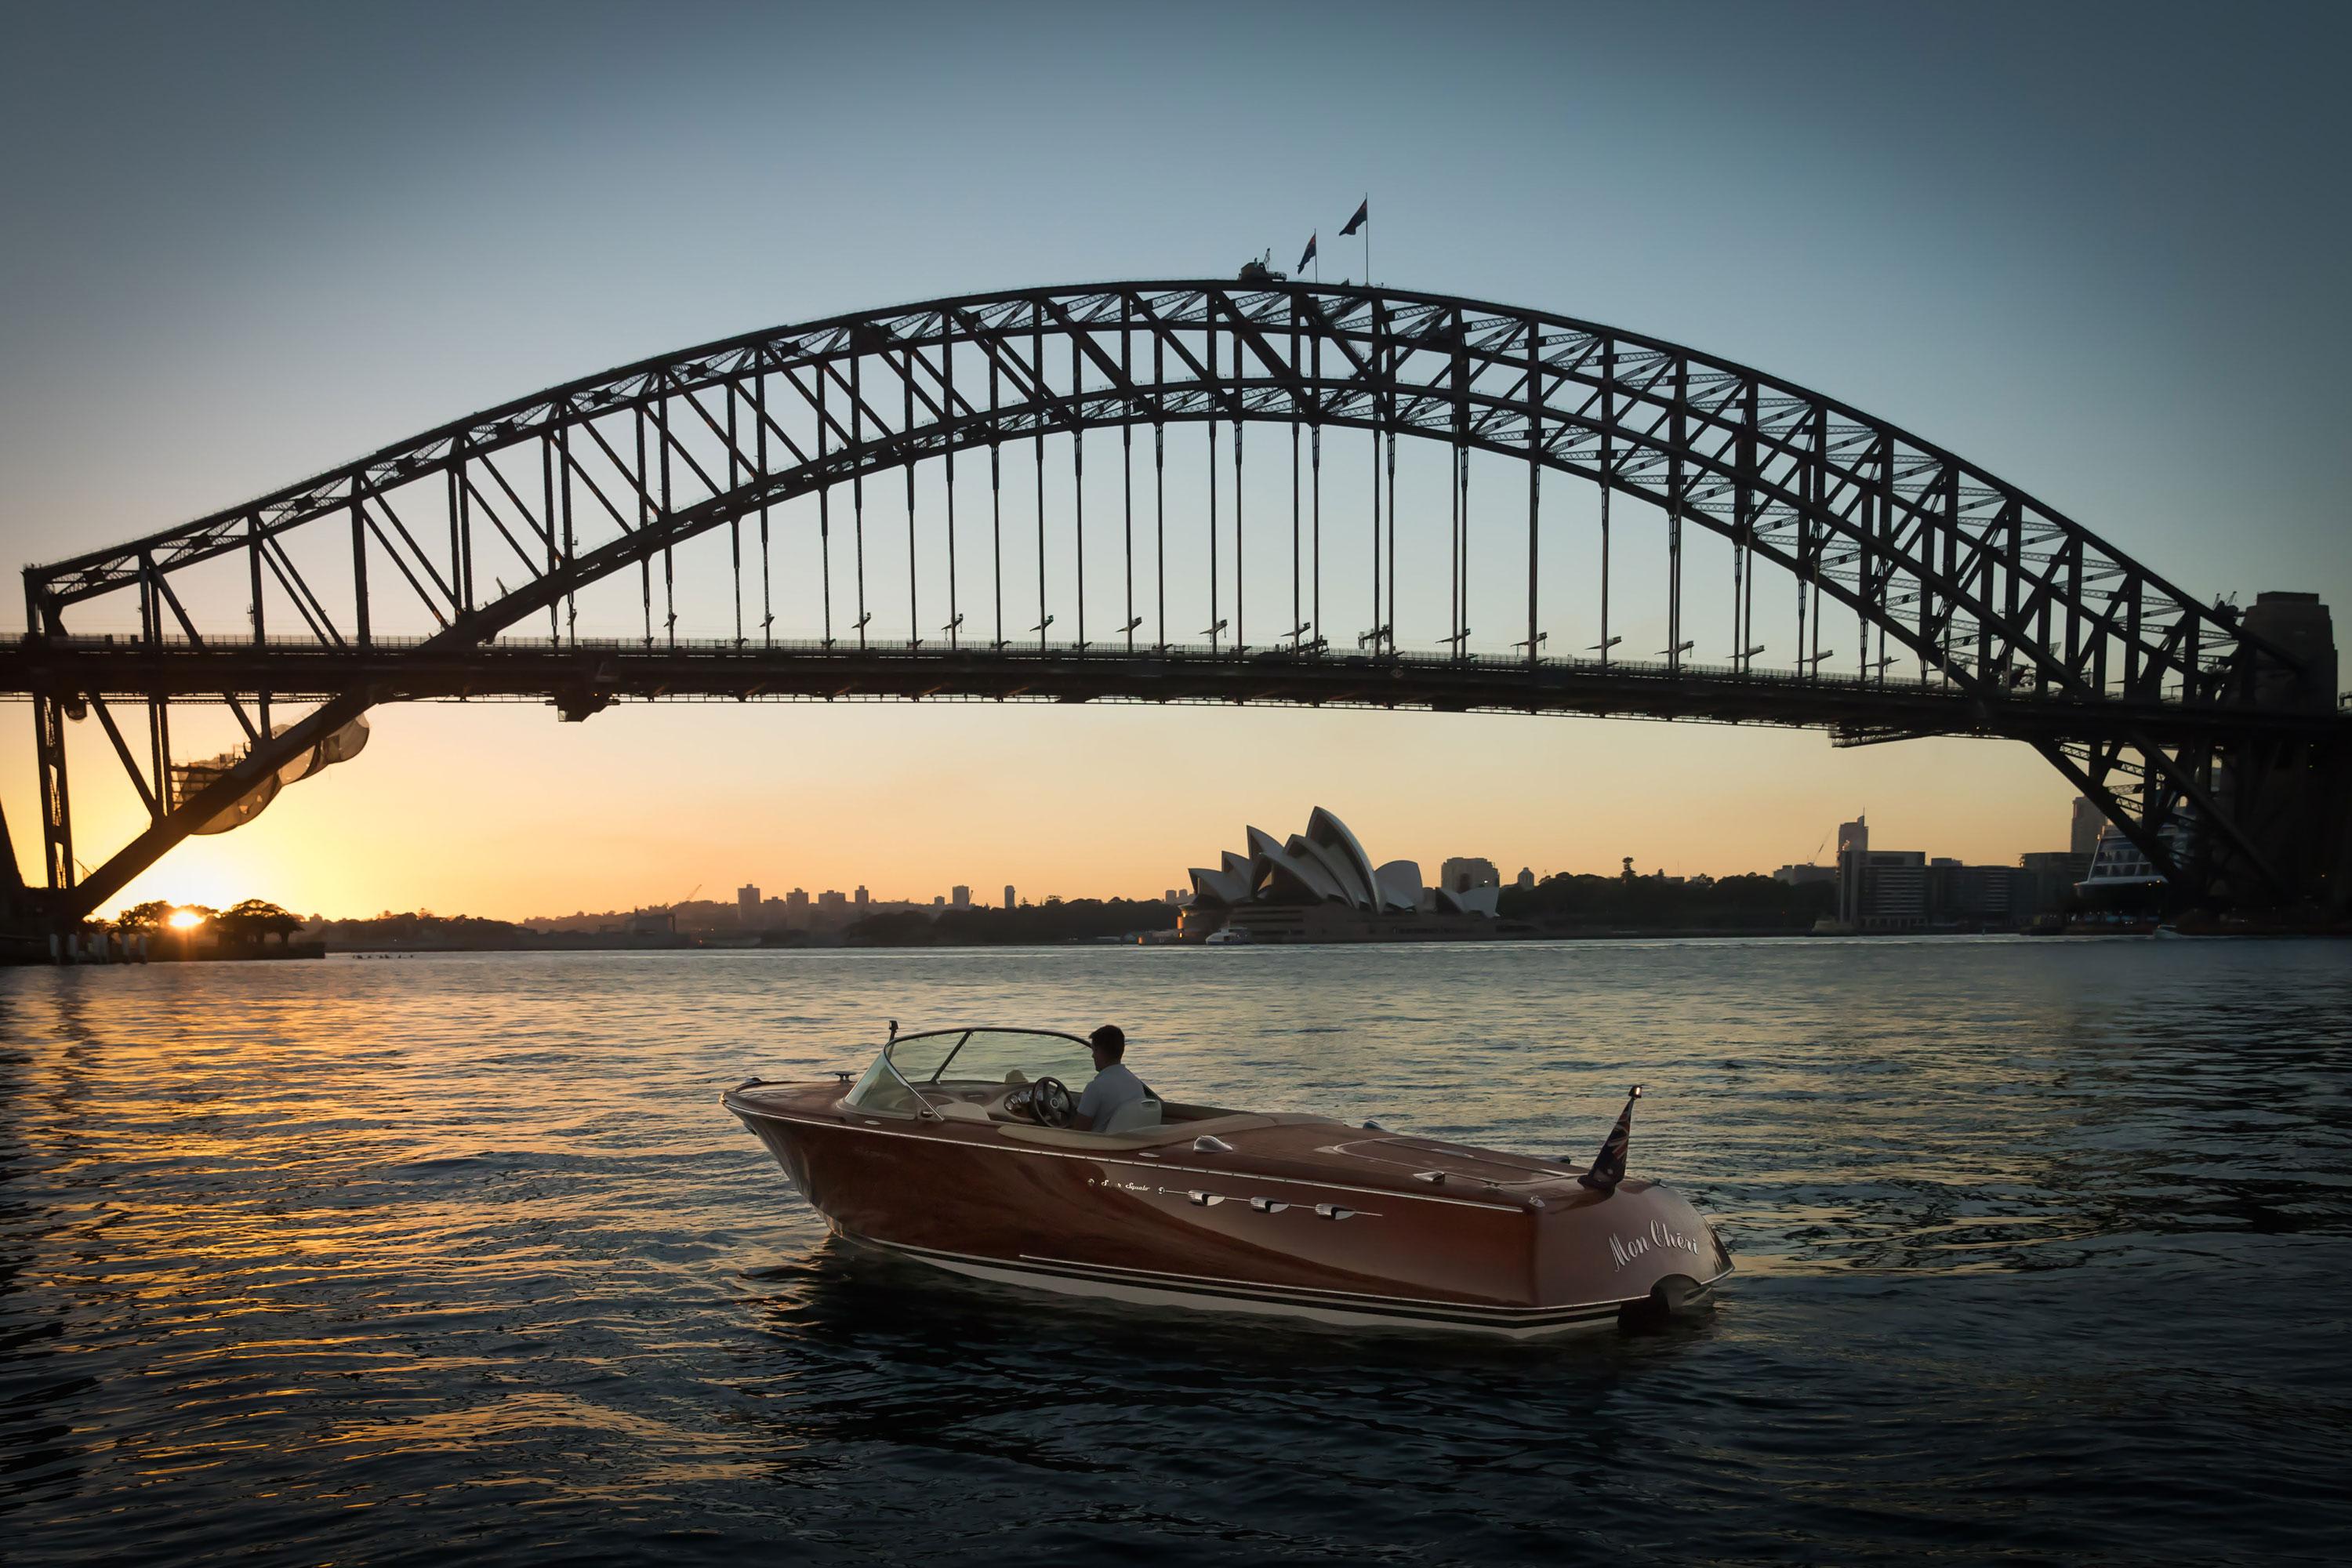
(1363, 215)
(1307, 254)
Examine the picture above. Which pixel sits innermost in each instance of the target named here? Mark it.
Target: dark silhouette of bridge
(757, 481)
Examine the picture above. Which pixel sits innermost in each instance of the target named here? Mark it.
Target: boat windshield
(915, 1070)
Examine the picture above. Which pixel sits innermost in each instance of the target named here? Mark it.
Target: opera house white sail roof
(1323, 865)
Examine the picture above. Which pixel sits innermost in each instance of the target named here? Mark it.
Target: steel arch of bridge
(2022, 623)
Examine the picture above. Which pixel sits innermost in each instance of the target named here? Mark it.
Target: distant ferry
(2121, 873)
(1228, 936)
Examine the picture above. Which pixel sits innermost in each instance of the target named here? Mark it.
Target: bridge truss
(457, 564)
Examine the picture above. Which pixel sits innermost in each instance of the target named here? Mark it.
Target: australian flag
(1609, 1165)
(1307, 254)
(1363, 213)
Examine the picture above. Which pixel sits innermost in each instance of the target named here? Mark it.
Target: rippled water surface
(2043, 1253)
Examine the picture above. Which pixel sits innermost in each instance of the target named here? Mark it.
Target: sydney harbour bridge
(1181, 492)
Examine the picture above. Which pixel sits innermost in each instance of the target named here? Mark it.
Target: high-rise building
(1798, 875)
(1881, 890)
(2083, 837)
(1172, 896)
(1852, 855)
(861, 895)
(1008, 895)
(832, 898)
(962, 897)
(796, 902)
(747, 903)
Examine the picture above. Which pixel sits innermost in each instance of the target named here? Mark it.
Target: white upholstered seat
(1132, 1117)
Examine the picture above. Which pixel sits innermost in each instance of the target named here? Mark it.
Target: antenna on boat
(1609, 1165)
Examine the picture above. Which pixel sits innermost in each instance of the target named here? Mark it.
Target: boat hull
(1299, 1218)
(1331, 1308)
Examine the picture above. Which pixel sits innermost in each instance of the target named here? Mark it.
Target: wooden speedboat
(953, 1150)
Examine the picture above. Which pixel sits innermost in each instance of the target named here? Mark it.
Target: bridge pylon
(2292, 794)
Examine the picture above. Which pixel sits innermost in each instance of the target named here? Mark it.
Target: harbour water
(2044, 1250)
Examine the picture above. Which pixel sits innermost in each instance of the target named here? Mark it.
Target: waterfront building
(1978, 896)
(797, 901)
(832, 898)
(861, 895)
(1900, 891)
(1895, 890)
(1879, 890)
(962, 897)
(1460, 873)
(1320, 886)
(747, 904)
(2044, 883)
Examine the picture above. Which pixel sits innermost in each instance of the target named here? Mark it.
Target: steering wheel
(1050, 1102)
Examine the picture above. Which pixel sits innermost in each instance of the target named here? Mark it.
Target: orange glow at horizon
(500, 811)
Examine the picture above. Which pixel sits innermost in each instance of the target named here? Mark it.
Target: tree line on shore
(1066, 919)
(246, 923)
(1576, 901)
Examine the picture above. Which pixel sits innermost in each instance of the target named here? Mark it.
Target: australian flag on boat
(1609, 1165)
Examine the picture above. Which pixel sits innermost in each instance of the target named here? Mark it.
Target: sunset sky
(2096, 251)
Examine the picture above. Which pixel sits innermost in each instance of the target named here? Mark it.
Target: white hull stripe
(1326, 1305)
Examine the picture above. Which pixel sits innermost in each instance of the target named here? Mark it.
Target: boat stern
(1641, 1247)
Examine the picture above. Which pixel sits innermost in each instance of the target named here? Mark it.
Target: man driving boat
(1113, 1086)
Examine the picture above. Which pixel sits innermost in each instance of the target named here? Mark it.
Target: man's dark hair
(1111, 1037)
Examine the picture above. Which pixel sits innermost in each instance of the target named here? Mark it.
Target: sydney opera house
(1320, 886)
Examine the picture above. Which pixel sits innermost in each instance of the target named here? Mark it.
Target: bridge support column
(2291, 797)
(13, 905)
(56, 810)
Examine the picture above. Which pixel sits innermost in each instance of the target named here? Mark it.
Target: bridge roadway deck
(584, 677)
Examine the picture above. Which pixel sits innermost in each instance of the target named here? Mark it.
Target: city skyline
(2058, 836)
(2164, 281)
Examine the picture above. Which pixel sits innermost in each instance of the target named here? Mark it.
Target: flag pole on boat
(1609, 1165)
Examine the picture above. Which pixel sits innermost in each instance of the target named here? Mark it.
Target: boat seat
(1133, 1117)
